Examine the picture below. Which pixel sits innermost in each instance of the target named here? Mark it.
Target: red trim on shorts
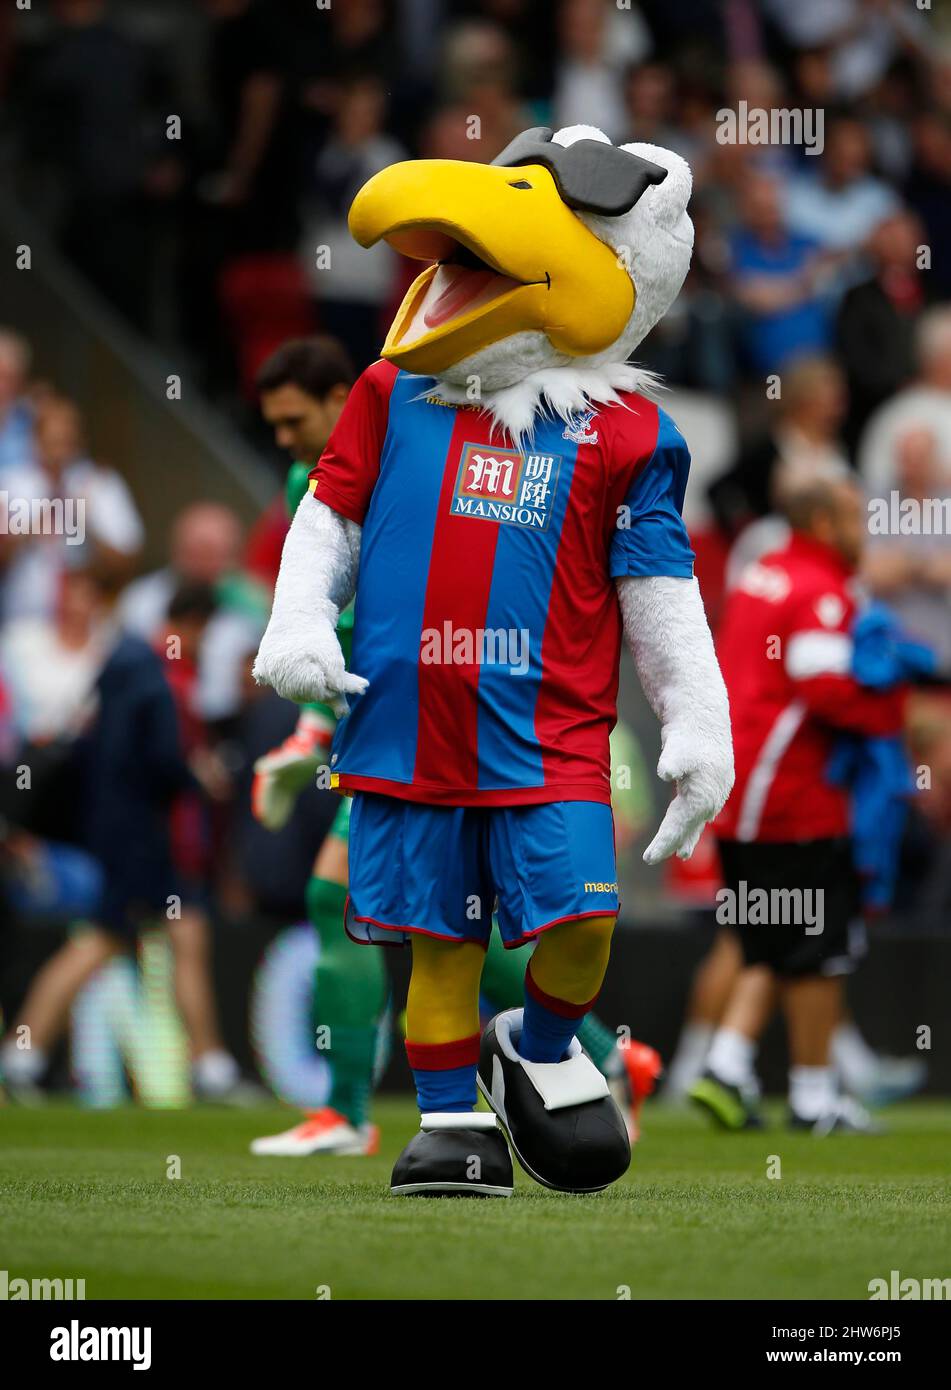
(558, 922)
(413, 931)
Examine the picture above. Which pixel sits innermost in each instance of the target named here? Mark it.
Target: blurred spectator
(877, 319)
(249, 161)
(50, 665)
(99, 502)
(597, 43)
(16, 420)
(837, 200)
(243, 195)
(910, 569)
(50, 662)
(805, 430)
(93, 118)
(205, 548)
(132, 766)
(350, 283)
(477, 77)
(215, 1072)
(926, 405)
(928, 188)
(862, 38)
(775, 276)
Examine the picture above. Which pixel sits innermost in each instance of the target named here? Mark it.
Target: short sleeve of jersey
(347, 470)
(650, 537)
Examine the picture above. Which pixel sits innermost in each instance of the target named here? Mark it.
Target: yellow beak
(510, 256)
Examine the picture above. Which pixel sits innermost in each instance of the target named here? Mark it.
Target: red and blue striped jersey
(487, 621)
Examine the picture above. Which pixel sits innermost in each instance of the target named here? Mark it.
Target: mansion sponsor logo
(43, 516)
(895, 1287)
(77, 1343)
(754, 125)
(895, 515)
(505, 485)
(480, 646)
(774, 907)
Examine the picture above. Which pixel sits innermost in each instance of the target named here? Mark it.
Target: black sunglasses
(589, 175)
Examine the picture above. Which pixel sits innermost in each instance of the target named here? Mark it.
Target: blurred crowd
(205, 157)
(196, 163)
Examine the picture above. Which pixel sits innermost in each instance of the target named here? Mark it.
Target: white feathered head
(564, 252)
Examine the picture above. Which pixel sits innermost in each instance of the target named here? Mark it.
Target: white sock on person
(22, 1065)
(811, 1091)
(853, 1059)
(215, 1071)
(731, 1057)
(688, 1061)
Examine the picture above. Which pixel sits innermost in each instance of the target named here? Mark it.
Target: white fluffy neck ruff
(552, 393)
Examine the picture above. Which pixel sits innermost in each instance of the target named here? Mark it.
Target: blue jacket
(876, 770)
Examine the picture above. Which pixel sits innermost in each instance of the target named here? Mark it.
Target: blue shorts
(440, 870)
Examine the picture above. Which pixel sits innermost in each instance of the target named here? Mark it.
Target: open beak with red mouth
(507, 256)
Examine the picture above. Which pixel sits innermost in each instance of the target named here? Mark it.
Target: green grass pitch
(85, 1195)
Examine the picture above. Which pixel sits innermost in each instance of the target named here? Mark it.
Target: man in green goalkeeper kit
(302, 389)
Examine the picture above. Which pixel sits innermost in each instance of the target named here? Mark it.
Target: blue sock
(548, 1024)
(445, 1074)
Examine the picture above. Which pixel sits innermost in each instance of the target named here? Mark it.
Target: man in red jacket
(791, 891)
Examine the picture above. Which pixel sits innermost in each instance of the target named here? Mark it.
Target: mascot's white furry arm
(667, 632)
(300, 655)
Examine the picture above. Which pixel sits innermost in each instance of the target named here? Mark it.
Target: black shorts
(794, 906)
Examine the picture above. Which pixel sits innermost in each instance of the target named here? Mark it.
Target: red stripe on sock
(562, 1007)
(443, 1056)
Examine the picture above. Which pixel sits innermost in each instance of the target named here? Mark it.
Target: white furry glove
(667, 631)
(300, 654)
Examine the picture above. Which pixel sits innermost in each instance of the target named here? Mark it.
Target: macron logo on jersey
(505, 485)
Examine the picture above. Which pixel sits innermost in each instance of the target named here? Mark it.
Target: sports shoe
(562, 1122)
(641, 1070)
(891, 1079)
(23, 1093)
(845, 1116)
(730, 1106)
(323, 1132)
(454, 1155)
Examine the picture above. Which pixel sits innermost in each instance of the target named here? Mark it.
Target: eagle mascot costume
(504, 501)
